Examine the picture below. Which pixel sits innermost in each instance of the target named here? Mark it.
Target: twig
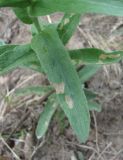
(110, 144)
(118, 154)
(96, 129)
(49, 19)
(36, 149)
(92, 156)
(28, 113)
(120, 133)
(85, 36)
(19, 85)
(14, 154)
(83, 146)
(3, 105)
(25, 116)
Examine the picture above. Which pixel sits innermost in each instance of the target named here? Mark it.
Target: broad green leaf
(12, 56)
(92, 105)
(14, 3)
(67, 26)
(45, 118)
(88, 71)
(38, 90)
(57, 65)
(22, 14)
(44, 7)
(4, 48)
(96, 56)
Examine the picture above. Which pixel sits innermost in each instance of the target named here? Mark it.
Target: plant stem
(37, 25)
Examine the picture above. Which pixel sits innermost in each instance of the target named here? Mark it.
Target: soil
(106, 134)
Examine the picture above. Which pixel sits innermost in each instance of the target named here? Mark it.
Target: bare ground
(106, 134)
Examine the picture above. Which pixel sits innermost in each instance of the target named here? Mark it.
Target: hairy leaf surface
(57, 65)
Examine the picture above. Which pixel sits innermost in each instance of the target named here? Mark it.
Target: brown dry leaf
(105, 56)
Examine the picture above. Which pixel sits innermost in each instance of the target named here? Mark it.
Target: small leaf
(91, 102)
(93, 106)
(67, 26)
(45, 118)
(12, 56)
(14, 3)
(96, 56)
(88, 71)
(45, 7)
(89, 94)
(61, 73)
(38, 90)
(22, 14)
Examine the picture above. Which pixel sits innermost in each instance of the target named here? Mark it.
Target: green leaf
(67, 26)
(96, 56)
(14, 3)
(92, 105)
(38, 90)
(41, 90)
(12, 56)
(89, 94)
(22, 14)
(57, 65)
(88, 71)
(4, 48)
(44, 7)
(31, 64)
(2, 42)
(41, 23)
(45, 118)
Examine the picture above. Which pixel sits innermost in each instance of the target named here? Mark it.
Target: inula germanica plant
(47, 54)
